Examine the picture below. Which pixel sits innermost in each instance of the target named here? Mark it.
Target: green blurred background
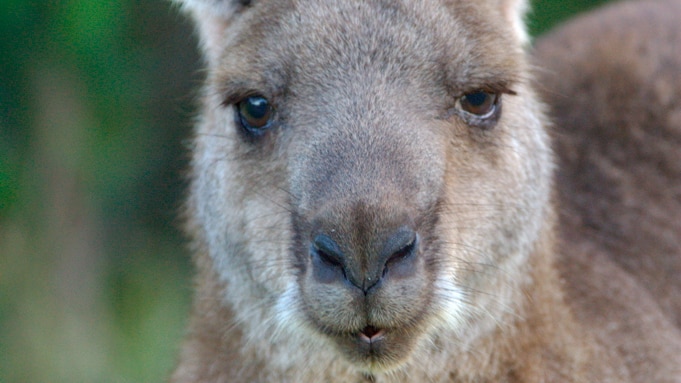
(96, 104)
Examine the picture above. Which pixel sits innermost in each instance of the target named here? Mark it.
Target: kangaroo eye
(255, 114)
(480, 104)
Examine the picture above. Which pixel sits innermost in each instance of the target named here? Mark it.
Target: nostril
(328, 258)
(398, 252)
(402, 253)
(328, 250)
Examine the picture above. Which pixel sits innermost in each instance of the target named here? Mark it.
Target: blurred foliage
(545, 14)
(96, 100)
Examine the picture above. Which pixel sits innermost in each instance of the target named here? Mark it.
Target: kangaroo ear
(211, 18)
(515, 11)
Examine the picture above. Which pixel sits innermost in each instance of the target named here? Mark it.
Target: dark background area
(96, 106)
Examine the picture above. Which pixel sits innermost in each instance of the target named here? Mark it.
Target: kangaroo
(377, 194)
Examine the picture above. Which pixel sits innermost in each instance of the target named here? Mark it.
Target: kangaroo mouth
(371, 334)
(374, 349)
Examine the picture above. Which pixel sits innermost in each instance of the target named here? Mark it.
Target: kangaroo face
(368, 174)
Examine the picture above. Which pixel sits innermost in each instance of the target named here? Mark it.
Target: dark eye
(480, 104)
(255, 114)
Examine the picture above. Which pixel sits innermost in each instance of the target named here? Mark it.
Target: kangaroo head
(368, 176)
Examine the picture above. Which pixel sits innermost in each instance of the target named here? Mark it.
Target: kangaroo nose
(364, 268)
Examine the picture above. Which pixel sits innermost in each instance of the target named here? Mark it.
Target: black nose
(364, 266)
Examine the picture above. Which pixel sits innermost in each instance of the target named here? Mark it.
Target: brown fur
(612, 80)
(444, 236)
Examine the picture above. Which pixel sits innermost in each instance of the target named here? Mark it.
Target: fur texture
(379, 229)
